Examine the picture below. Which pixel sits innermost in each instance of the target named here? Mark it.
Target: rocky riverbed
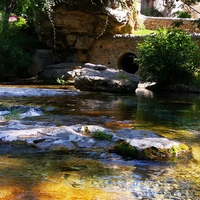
(96, 140)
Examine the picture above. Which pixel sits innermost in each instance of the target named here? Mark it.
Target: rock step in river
(98, 141)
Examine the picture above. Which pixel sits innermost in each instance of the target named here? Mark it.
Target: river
(44, 176)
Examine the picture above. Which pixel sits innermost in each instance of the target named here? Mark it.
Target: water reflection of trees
(169, 112)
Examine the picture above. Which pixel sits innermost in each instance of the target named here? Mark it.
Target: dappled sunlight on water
(10, 192)
(60, 190)
(61, 177)
(196, 152)
(50, 177)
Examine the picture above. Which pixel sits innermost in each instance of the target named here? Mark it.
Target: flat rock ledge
(101, 78)
(97, 141)
(60, 71)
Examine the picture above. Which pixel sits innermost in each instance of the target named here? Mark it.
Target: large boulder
(75, 25)
(100, 78)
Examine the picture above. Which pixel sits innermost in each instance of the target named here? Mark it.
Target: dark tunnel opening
(127, 63)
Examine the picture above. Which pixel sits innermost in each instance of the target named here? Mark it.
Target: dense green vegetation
(182, 14)
(17, 38)
(125, 150)
(17, 43)
(169, 56)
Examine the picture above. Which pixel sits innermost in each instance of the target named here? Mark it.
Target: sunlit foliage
(170, 56)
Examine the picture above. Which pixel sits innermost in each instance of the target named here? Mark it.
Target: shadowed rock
(100, 78)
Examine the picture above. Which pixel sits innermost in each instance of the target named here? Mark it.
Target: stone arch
(126, 62)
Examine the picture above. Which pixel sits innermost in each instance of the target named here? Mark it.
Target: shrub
(15, 49)
(182, 14)
(170, 56)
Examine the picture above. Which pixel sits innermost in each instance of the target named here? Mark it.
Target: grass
(144, 32)
(123, 77)
(100, 135)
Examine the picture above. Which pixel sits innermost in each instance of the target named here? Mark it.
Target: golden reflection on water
(9, 192)
(54, 177)
(196, 152)
(49, 179)
(59, 190)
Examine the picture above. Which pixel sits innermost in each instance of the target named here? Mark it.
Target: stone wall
(108, 50)
(153, 23)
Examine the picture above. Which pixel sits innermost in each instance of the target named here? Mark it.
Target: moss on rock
(151, 153)
(100, 135)
(125, 150)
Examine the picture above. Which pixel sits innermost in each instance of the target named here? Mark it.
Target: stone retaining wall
(108, 50)
(154, 23)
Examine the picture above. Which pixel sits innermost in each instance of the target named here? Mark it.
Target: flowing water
(54, 176)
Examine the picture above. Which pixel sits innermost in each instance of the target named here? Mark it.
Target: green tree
(170, 56)
(19, 7)
(17, 38)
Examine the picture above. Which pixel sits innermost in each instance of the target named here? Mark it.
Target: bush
(16, 44)
(170, 56)
(182, 14)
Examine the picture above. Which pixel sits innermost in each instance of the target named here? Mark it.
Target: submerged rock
(100, 78)
(91, 139)
(18, 112)
(94, 140)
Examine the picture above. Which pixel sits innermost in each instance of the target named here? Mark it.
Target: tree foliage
(170, 56)
(15, 46)
(17, 38)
